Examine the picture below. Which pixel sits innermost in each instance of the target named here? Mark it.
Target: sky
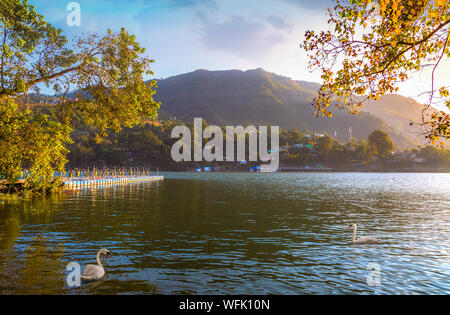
(186, 35)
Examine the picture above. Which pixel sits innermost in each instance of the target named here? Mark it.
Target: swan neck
(98, 259)
(354, 234)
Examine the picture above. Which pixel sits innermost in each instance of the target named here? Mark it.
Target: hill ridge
(255, 96)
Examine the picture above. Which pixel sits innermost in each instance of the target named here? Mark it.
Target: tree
(372, 46)
(433, 155)
(32, 141)
(295, 136)
(106, 72)
(361, 150)
(380, 143)
(324, 145)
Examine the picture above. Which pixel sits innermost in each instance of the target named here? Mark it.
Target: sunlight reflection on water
(236, 233)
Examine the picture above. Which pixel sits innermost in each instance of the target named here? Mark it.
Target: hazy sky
(186, 35)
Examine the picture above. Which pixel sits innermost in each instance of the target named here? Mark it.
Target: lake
(236, 233)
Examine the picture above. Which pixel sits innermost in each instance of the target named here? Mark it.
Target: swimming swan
(361, 240)
(95, 272)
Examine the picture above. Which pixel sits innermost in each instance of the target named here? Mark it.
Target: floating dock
(79, 183)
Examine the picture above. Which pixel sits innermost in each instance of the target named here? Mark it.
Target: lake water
(236, 233)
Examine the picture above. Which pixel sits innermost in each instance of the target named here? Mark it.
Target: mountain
(257, 97)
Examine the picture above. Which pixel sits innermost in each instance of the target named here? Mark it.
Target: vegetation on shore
(101, 87)
(107, 71)
(149, 145)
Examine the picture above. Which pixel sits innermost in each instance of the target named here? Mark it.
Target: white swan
(95, 272)
(361, 240)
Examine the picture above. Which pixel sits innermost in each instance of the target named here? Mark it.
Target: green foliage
(32, 50)
(144, 145)
(434, 155)
(324, 145)
(362, 151)
(33, 141)
(109, 75)
(149, 145)
(380, 143)
(107, 72)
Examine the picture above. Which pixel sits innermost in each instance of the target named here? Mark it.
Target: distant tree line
(150, 143)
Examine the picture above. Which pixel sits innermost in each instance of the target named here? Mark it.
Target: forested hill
(258, 97)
